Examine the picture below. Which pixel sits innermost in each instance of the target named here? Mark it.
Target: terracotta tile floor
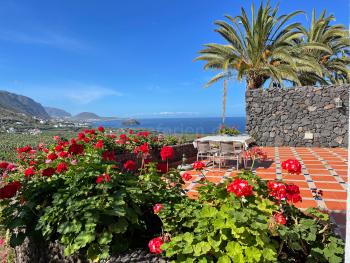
(323, 169)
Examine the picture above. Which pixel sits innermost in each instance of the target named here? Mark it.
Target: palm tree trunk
(255, 82)
(224, 103)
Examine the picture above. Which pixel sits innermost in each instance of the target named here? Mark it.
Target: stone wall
(298, 116)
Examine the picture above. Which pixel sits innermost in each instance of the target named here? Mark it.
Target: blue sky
(123, 58)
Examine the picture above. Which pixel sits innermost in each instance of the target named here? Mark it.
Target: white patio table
(245, 139)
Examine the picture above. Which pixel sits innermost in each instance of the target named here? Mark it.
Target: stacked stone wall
(299, 116)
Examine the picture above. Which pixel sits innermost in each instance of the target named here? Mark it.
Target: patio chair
(204, 150)
(230, 151)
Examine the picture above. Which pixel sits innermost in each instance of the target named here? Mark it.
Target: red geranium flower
(11, 167)
(75, 148)
(29, 172)
(103, 178)
(143, 134)
(162, 167)
(58, 148)
(130, 165)
(52, 156)
(155, 244)
(109, 156)
(24, 149)
(277, 190)
(240, 188)
(198, 165)
(62, 167)
(186, 176)
(3, 165)
(56, 137)
(81, 136)
(101, 129)
(144, 148)
(167, 152)
(10, 190)
(157, 208)
(280, 219)
(48, 172)
(293, 193)
(63, 154)
(292, 166)
(99, 144)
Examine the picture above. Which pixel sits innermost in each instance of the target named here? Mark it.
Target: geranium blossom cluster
(240, 188)
(292, 166)
(281, 191)
(6, 168)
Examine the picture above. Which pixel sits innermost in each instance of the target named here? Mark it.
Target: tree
(334, 65)
(261, 48)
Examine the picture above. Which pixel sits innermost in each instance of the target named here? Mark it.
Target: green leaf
(235, 251)
(188, 237)
(252, 254)
(208, 211)
(105, 238)
(201, 248)
(269, 254)
(120, 227)
(84, 238)
(224, 259)
(69, 227)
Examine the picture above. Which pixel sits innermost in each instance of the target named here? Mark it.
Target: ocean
(180, 125)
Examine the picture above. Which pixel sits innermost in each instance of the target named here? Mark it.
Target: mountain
(57, 113)
(22, 104)
(86, 116)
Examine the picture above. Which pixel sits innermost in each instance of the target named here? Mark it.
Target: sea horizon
(179, 125)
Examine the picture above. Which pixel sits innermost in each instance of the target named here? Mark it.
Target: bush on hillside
(74, 192)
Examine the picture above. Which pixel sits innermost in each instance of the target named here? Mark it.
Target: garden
(75, 193)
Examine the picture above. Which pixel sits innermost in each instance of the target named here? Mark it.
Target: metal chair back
(203, 147)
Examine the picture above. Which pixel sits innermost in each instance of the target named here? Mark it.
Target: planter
(41, 252)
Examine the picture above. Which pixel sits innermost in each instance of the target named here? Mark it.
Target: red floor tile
(328, 186)
(323, 178)
(306, 204)
(334, 195)
(318, 171)
(332, 205)
(306, 193)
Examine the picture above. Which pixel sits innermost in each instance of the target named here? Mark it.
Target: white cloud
(89, 94)
(47, 38)
(74, 92)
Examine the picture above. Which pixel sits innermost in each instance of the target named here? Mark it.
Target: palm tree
(336, 37)
(261, 48)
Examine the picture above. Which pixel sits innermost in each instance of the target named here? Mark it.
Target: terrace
(322, 169)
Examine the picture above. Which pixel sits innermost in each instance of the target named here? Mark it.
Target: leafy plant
(248, 220)
(77, 193)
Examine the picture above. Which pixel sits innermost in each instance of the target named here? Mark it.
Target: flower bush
(247, 219)
(78, 193)
(228, 130)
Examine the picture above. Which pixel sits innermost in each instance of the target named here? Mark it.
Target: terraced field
(9, 142)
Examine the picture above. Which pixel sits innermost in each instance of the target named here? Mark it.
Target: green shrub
(228, 130)
(76, 192)
(247, 221)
